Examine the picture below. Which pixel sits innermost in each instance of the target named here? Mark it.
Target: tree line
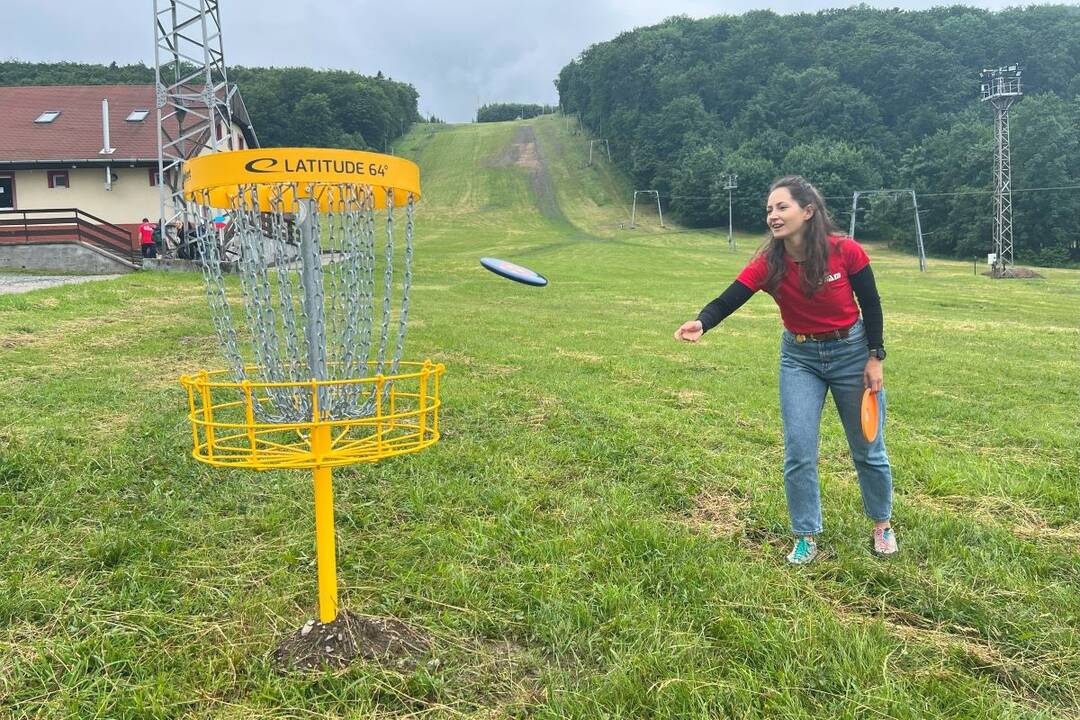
(500, 112)
(289, 107)
(853, 99)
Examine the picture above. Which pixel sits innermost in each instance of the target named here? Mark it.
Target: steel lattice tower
(1001, 86)
(193, 93)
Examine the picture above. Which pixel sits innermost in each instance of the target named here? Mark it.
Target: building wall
(67, 257)
(131, 199)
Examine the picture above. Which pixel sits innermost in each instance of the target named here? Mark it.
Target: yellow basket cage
(226, 432)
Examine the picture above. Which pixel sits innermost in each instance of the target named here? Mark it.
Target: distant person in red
(146, 238)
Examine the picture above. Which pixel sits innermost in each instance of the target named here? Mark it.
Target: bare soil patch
(524, 151)
(521, 151)
(385, 641)
(1015, 273)
(715, 513)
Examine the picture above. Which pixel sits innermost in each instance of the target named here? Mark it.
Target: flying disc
(510, 271)
(869, 415)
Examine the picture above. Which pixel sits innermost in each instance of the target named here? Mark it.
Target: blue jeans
(807, 371)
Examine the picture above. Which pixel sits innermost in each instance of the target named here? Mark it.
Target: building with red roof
(53, 154)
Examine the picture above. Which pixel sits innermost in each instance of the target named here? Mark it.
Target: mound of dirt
(386, 641)
(1017, 273)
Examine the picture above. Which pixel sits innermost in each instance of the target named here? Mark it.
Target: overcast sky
(454, 53)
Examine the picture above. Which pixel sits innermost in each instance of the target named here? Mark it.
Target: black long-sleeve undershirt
(862, 284)
(865, 288)
(729, 301)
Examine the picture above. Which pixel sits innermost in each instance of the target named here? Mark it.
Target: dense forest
(289, 107)
(498, 112)
(853, 99)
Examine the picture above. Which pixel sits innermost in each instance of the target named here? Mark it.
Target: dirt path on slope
(525, 151)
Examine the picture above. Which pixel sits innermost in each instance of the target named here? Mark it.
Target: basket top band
(216, 178)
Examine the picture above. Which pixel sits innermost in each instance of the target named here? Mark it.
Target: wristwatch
(878, 353)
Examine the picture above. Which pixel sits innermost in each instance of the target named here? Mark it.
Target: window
(58, 179)
(154, 179)
(137, 115)
(48, 116)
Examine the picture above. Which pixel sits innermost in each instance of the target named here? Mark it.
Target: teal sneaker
(883, 543)
(804, 552)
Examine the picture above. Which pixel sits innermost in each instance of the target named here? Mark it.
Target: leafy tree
(836, 168)
(854, 99)
(501, 112)
(696, 173)
(1045, 153)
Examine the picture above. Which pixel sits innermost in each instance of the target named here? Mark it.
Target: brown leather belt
(822, 337)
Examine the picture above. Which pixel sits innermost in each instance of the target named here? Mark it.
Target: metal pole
(633, 211)
(208, 89)
(918, 234)
(731, 181)
(854, 210)
(311, 268)
(658, 210)
(158, 102)
(730, 237)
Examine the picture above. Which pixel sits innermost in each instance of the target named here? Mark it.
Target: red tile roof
(76, 134)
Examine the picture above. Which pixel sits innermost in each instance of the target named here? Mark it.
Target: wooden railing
(58, 225)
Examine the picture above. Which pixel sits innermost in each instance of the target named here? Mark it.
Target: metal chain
(406, 282)
(309, 296)
(215, 292)
(388, 280)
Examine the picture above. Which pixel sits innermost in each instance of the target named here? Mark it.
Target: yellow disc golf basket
(313, 330)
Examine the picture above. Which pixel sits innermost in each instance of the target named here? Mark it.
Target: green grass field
(599, 534)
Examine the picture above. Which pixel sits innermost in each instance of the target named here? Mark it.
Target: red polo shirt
(146, 233)
(832, 307)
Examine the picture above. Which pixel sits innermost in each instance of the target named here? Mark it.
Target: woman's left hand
(874, 375)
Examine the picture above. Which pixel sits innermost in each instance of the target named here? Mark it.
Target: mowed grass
(600, 532)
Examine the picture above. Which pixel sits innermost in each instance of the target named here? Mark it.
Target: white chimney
(106, 148)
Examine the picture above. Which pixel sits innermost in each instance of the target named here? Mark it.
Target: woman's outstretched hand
(689, 331)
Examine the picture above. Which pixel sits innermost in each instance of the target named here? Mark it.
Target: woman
(815, 275)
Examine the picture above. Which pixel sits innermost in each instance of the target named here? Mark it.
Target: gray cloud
(453, 53)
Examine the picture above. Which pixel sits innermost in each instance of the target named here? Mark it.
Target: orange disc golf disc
(870, 416)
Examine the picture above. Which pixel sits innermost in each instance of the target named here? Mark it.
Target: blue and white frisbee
(510, 271)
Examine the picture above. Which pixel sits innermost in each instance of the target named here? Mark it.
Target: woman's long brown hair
(815, 239)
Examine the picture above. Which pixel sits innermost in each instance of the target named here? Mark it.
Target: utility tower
(193, 94)
(1001, 86)
(731, 182)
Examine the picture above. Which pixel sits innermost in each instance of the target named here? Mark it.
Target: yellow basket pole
(323, 480)
(324, 525)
